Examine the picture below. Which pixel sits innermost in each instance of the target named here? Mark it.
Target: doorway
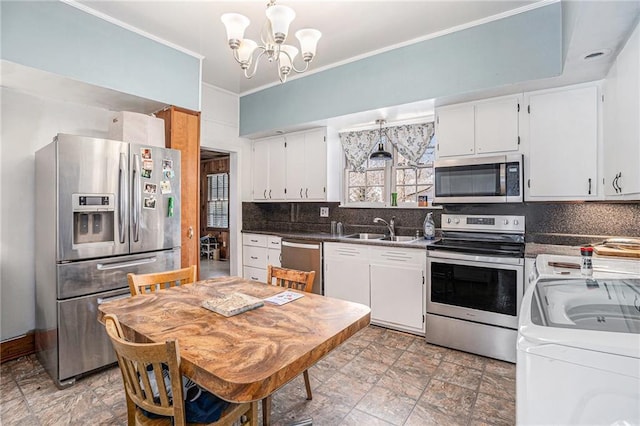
(215, 253)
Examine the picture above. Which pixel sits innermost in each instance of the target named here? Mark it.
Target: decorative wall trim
(15, 348)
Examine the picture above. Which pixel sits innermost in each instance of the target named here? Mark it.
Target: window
(218, 200)
(373, 186)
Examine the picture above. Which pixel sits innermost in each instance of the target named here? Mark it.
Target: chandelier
(273, 35)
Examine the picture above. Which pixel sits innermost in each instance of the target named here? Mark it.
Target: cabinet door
(628, 116)
(260, 170)
(455, 130)
(496, 125)
(397, 287)
(296, 163)
(277, 169)
(611, 151)
(396, 295)
(346, 272)
(315, 165)
(563, 143)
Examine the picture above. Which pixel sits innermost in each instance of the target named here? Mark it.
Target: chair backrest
(134, 359)
(290, 278)
(150, 283)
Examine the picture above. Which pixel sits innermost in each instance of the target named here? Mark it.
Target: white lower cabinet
(346, 272)
(389, 280)
(258, 251)
(397, 279)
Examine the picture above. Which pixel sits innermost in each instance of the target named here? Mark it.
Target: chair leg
(307, 384)
(266, 411)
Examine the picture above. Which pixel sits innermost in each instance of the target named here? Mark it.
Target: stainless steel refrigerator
(104, 208)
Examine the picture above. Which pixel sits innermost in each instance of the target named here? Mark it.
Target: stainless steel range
(476, 283)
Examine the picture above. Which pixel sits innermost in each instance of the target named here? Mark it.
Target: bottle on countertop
(586, 263)
(429, 227)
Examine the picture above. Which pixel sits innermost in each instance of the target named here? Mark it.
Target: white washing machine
(578, 350)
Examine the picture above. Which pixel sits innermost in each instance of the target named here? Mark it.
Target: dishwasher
(304, 256)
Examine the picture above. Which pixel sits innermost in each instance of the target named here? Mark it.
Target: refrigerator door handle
(136, 197)
(122, 196)
(118, 265)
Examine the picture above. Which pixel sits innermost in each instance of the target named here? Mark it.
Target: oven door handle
(441, 254)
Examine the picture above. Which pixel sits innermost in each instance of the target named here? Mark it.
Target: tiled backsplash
(548, 223)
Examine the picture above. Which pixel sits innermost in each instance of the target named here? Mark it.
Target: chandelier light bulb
(280, 18)
(235, 24)
(286, 61)
(245, 50)
(308, 38)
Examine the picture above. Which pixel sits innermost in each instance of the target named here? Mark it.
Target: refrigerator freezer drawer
(83, 343)
(98, 275)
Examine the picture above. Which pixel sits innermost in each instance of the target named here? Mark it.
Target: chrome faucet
(391, 225)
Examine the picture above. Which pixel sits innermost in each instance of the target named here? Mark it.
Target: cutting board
(610, 251)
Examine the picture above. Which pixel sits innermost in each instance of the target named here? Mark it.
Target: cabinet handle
(300, 192)
(254, 278)
(619, 188)
(254, 257)
(306, 193)
(265, 194)
(589, 186)
(269, 194)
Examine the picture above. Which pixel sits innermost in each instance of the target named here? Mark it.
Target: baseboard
(15, 348)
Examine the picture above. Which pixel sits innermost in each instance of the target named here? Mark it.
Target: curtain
(411, 140)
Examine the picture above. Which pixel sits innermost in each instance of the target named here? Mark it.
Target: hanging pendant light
(380, 153)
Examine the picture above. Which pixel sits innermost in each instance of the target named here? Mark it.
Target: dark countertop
(421, 243)
(532, 250)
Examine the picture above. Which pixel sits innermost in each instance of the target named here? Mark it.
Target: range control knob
(449, 220)
(456, 221)
(506, 221)
(515, 222)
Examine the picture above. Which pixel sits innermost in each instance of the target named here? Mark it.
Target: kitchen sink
(399, 239)
(365, 236)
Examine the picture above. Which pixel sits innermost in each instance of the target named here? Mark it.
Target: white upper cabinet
(562, 144)
(294, 167)
(307, 165)
(269, 169)
(455, 130)
(622, 123)
(481, 127)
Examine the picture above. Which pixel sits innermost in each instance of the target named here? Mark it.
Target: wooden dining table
(248, 356)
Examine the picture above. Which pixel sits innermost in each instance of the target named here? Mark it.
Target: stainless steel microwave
(495, 179)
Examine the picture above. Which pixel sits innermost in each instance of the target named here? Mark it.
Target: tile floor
(378, 377)
(214, 268)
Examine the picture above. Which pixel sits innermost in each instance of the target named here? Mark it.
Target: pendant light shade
(380, 153)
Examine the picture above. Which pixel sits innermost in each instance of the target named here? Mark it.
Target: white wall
(28, 123)
(219, 132)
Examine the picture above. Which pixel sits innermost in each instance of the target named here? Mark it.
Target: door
(455, 130)
(296, 167)
(182, 132)
(277, 169)
(155, 198)
(396, 294)
(83, 341)
(315, 165)
(496, 125)
(89, 171)
(260, 170)
(304, 256)
(563, 144)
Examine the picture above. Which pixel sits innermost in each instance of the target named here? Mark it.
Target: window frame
(222, 200)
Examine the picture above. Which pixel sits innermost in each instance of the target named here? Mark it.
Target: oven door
(482, 289)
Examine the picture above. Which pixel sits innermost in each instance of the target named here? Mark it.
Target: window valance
(411, 140)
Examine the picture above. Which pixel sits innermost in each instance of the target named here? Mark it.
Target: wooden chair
(133, 358)
(298, 280)
(149, 283)
(290, 278)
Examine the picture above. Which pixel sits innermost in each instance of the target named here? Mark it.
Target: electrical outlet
(324, 211)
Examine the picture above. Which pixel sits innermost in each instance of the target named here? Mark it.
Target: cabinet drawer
(398, 255)
(255, 274)
(274, 242)
(255, 257)
(254, 240)
(346, 250)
